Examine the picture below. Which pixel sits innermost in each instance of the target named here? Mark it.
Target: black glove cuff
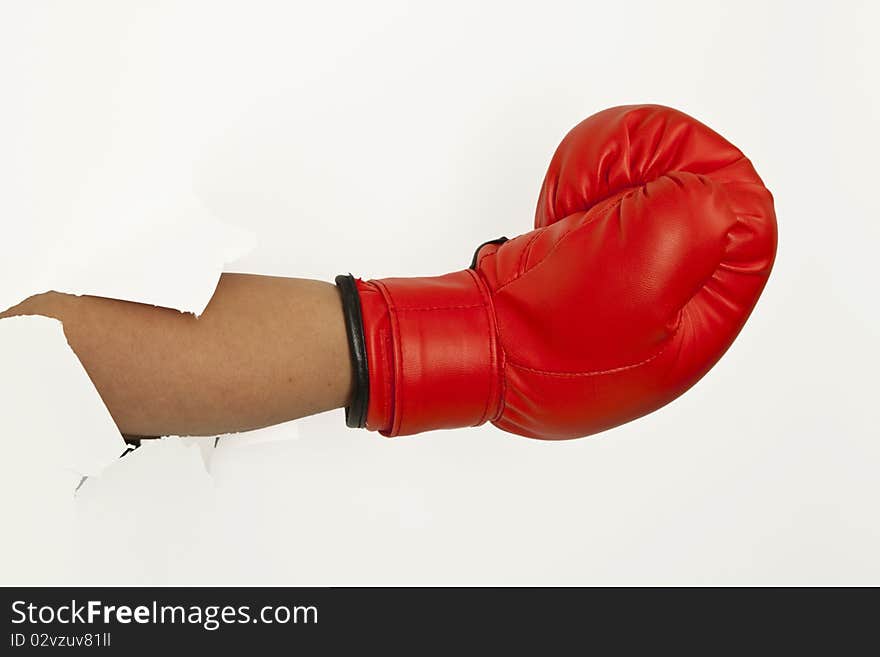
(356, 411)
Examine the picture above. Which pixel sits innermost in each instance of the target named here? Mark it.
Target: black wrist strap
(500, 240)
(356, 411)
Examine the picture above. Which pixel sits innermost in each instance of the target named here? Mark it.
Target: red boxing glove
(653, 239)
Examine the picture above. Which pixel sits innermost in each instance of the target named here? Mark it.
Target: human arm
(266, 350)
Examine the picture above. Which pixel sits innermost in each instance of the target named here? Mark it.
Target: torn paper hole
(159, 495)
(59, 438)
(155, 245)
(56, 430)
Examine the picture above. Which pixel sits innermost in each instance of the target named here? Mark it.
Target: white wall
(392, 138)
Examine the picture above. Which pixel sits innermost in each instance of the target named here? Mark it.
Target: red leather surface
(432, 353)
(654, 238)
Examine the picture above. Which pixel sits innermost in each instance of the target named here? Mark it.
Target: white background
(391, 139)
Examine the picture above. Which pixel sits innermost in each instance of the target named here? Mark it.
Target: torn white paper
(55, 431)
(148, 519)
(99, 152)
(139, 237)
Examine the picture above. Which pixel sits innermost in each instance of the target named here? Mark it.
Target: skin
(266, 350)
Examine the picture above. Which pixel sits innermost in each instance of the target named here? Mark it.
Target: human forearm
(266, 350)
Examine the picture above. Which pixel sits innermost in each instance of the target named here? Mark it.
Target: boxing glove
(653, 239)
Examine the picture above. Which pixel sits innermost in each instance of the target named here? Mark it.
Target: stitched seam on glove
(502, 405)
(495, 339)
(500, 350)
(562, 237)
(395, 367)
(621, 368)
(526, 251)
(613, 370)
(474, 305)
